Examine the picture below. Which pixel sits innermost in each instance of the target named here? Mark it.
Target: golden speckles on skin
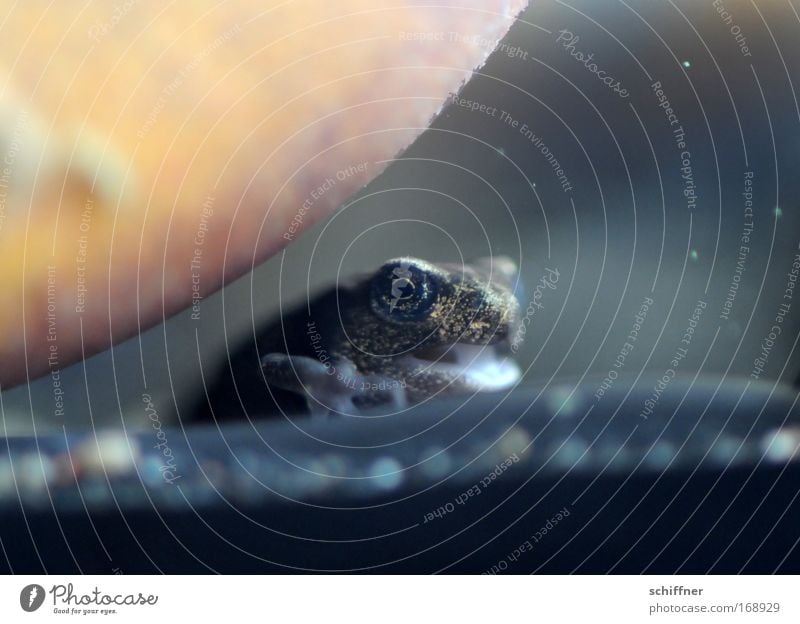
(427, 353)
(468, 309)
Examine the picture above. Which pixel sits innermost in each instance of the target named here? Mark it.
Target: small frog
(409, 331)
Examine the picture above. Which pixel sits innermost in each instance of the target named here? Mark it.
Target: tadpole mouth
(487, 368)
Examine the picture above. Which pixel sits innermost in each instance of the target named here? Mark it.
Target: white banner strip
(401, 599)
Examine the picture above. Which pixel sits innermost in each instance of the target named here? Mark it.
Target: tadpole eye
(403, 291)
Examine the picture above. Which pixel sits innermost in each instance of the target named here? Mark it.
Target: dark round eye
(403, 291)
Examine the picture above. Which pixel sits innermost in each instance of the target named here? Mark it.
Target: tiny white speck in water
(694, 255)
(778, 211)
(385, 473)
(686, 64)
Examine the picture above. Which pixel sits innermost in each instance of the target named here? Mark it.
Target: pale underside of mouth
(484, 367)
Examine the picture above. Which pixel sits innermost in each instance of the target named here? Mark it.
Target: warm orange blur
(150, 152)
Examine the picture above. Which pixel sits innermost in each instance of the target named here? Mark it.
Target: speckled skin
(358, 345)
